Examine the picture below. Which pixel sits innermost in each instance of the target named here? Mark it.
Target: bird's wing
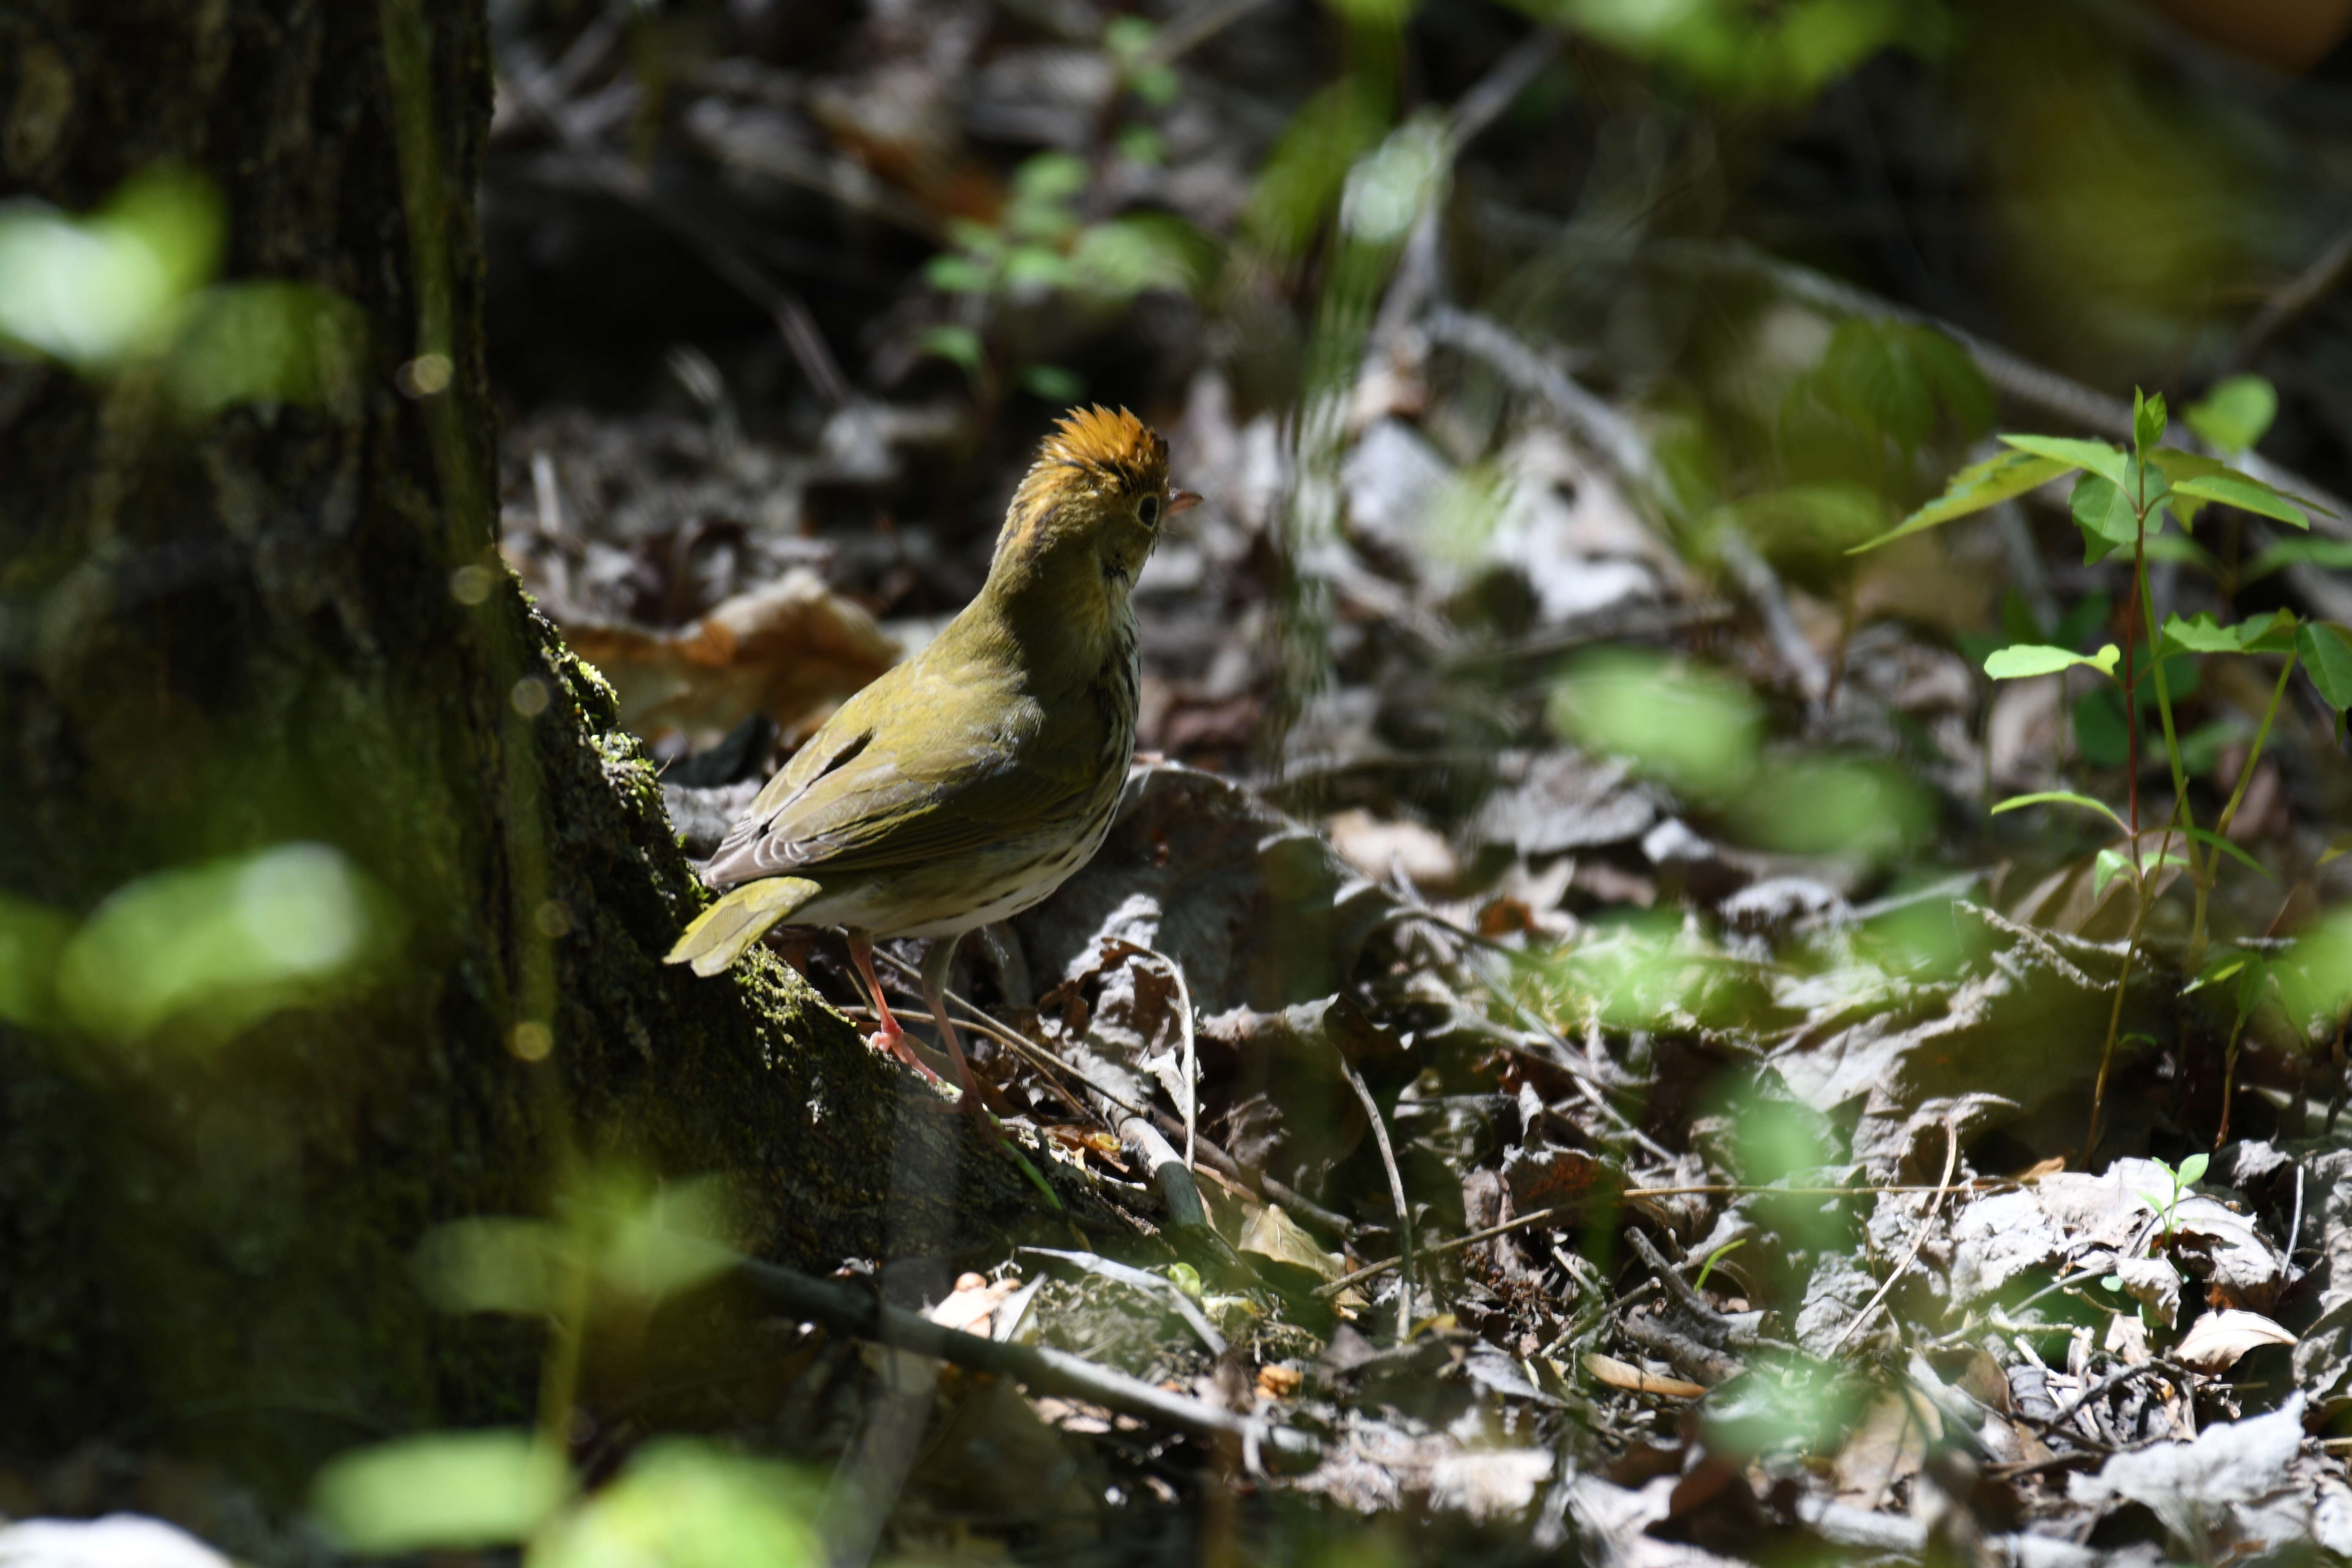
(852, 801)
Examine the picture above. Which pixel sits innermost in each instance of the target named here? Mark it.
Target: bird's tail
(720, 934)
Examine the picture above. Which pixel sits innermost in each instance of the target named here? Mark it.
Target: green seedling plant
(2167, 1206)
(2123, 499)
(1717, 1256)
(1040, 243)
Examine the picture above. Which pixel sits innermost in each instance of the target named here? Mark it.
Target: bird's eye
(1147, 509)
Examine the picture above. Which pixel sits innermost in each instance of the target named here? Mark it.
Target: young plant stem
(2181, 811)
(2230, 1080)
(2131, 720)
(2229, 811)
(2123, 983)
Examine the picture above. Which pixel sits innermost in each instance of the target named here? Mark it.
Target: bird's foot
(893, 1039)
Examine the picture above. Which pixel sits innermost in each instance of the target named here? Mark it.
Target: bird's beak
(1182, 500)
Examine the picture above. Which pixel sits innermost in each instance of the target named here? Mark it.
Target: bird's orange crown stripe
(1101, 438)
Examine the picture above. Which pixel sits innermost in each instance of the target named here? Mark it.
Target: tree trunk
(287, 623)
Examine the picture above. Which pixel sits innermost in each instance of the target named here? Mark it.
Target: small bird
(965, 784)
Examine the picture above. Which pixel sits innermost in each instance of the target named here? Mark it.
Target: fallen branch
(844, 1308)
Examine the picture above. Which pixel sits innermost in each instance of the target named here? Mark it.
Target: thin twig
(1260, 1186)
(1621, 446)
(2322, 278)
(1580, 1072)
(1191, 1059)
(1927, 1224)
(847, 1309)
(2056, 1286)
(2116, 1380)
(1701, 1189)
(1396, 1189)
(2294, 1226)
(1500, 88)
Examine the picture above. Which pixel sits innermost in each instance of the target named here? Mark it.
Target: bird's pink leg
(889, 1037)
(936, 964)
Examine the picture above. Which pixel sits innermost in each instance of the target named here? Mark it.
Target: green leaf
(1034, 266)
(958, 345)
(2109, 864)
(94, 292)
(199, 953)
(2200, 634)
(449, 1491)
(1142, 144)
(1717, 1256)
(2177, 465)
(1155, 84)
(2234, 414)
(2104, 516)
(2207, 836)
(1979, 485)
(959, 275)
(685, 1504)
(2246, 493)
(1144, 250)
(2148, 419)
(2249, 987)
(2024, 660)
(2335, 555)
(487, 1264)
(2327, 650)
(2219, 967)
(1051, 177)
(2192, 1170)
(2062, 798)
(1127, 38)
(1053, 384)
(2108, 462)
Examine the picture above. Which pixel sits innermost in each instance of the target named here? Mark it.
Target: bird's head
(1092, 506)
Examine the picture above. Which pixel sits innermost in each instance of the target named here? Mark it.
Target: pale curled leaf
(1270, 1233)
(2215, 1342)
(1610, 1373)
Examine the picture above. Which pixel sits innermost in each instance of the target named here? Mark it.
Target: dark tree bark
(227, 635)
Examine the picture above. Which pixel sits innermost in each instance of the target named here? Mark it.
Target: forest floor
(1636, 1094)
(1629, 1093)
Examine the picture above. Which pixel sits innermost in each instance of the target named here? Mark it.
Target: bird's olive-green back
(1015, 718)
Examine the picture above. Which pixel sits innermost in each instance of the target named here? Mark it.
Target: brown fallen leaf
(1380, 849)
(1884, 1447)
(969, 1307)
(2215, 1342)
(1615, 1374)
(784, 650)
(1270, 1233)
